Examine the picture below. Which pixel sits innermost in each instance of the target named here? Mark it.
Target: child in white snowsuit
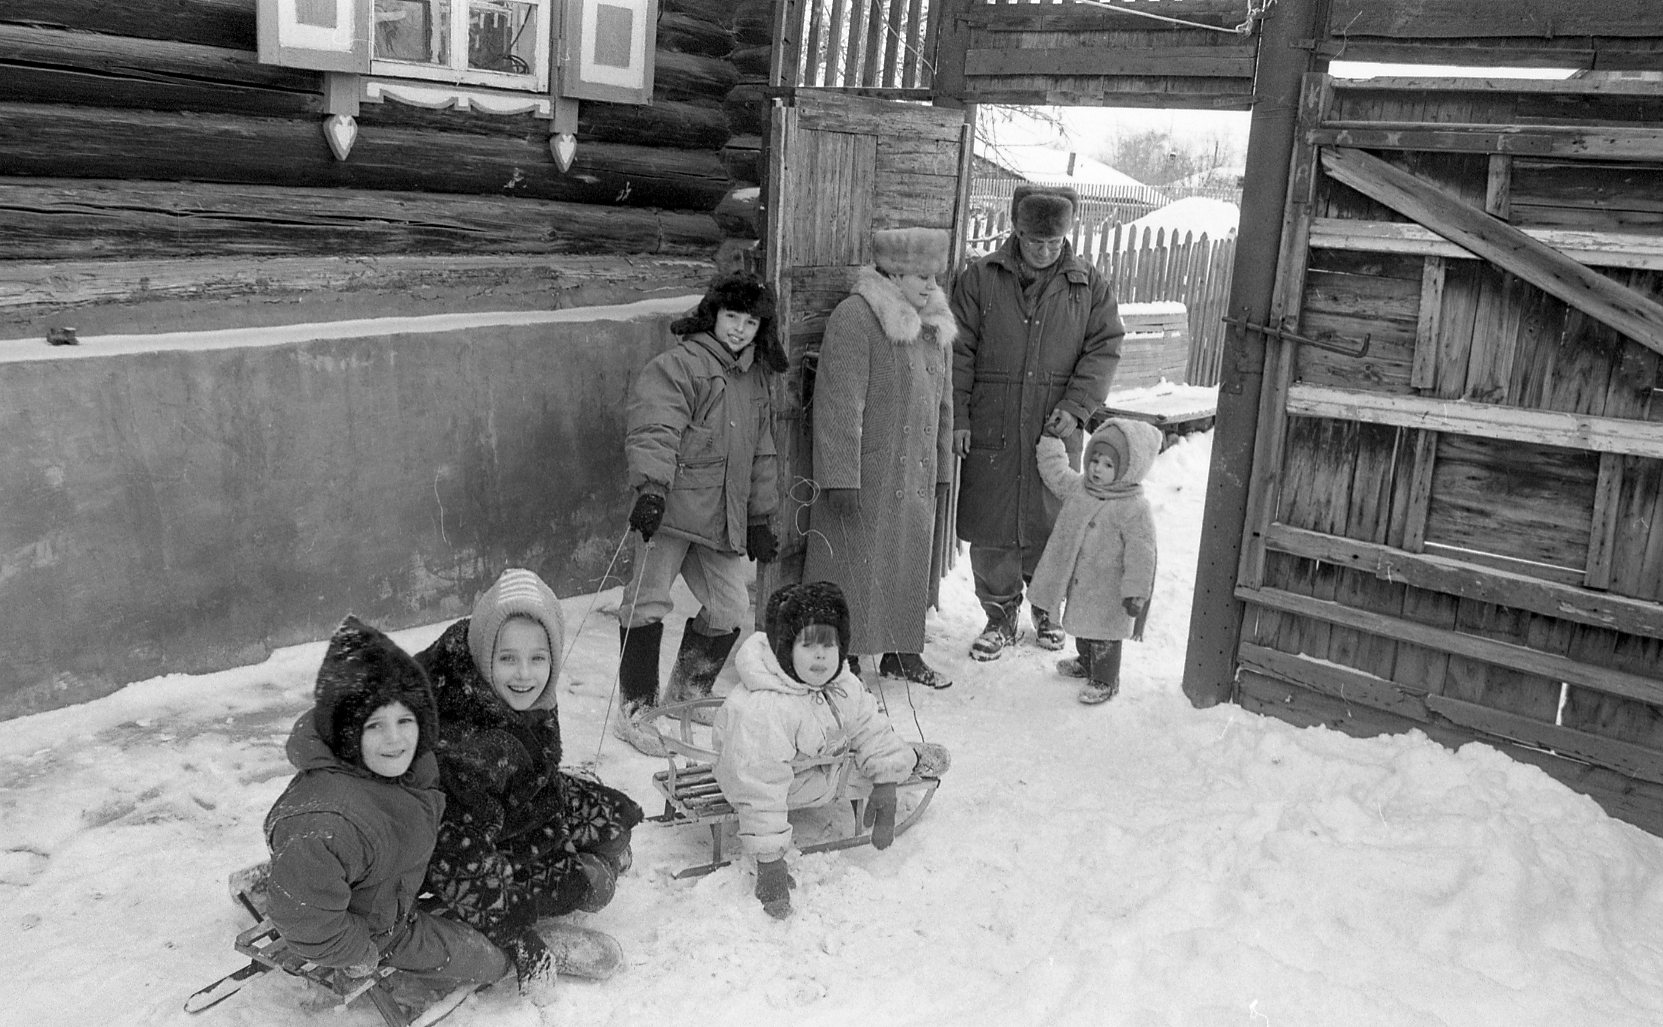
(797, 701)
(701, 459)
(351, 834)
(1099, 565)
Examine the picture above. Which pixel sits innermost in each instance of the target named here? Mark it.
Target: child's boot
(1047, 632)
(638, 686)
(1078, 665)
(1104, 681)
(699, 660)
(1000, 633)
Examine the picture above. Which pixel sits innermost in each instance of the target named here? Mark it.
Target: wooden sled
(692, 796)
(267, 950)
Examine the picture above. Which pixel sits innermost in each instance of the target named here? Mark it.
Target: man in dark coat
(1038, 343)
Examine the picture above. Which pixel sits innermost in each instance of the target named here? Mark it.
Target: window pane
(412, 30)
(502, 36)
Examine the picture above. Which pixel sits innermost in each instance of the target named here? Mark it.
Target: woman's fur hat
(743, 294)
(794, 607)
(911, 251)
(521, 593)
(362, 671)
(1042, 210)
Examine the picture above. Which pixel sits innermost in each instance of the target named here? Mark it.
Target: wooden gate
(839, 166)
(1455, 517)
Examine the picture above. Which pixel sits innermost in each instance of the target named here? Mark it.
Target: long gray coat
(882, 423)
(1102, 550)
(1011, 367)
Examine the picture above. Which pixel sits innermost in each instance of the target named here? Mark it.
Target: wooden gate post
(1285, 56)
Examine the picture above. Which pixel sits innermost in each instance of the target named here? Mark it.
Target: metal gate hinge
(1349, 347)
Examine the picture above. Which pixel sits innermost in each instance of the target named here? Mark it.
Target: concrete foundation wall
(188, 502)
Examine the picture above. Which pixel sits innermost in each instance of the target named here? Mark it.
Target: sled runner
(692, 796)
(268, 951)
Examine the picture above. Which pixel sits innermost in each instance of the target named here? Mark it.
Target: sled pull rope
(617, 676)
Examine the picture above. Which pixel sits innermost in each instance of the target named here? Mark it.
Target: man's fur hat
(1044, 210)
(911, 251)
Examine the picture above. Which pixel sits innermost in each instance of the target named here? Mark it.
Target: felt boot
(638, 687)
(699, 660)
(1104, 682)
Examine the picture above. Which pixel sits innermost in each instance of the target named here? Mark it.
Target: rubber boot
(638, 686)
(699, 660)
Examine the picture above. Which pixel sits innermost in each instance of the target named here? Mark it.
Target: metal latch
(1349, 347)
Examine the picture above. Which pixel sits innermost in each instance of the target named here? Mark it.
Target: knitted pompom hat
(1045, 211)
(794, 607)
(517, 592)
(362, 671)
(911, 251)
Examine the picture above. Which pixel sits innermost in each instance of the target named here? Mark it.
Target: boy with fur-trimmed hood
(1099, 565)
(351, 834)
(699, 447)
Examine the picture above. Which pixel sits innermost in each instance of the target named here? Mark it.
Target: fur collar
(900, 320)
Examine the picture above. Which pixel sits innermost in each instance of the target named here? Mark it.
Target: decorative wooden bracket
(563, 133)
(1635, 315)
(340, 104)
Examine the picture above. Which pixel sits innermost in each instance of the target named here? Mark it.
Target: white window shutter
(324, 35)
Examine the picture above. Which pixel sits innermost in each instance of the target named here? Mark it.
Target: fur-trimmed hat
(911, 251)
(517, 592)
(741, 293)
(362, 671)
(1044, 210)
(794, 607)
(1133, 445)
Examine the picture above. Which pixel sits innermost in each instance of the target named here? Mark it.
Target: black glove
(760, 543)
(773, 887)
(647, 515)
(843, 502)
(880, 815)
(1133, 605)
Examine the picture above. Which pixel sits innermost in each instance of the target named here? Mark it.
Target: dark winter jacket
(701, 434)
(883, 421)
(349, 849)
(1012, 365)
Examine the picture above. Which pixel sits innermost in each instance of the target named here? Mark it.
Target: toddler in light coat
(1099, 565)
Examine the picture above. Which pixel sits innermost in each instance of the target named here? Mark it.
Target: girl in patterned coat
(796, 699)
(1099, 565)
(521, 839)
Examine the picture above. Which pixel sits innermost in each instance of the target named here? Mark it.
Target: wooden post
(1215, 613)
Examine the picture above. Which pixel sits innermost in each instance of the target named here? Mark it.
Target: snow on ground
(1194, 215)
(1143, 863)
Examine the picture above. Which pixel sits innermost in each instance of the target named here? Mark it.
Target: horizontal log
(91, 143)
(1595, 249)
(717, 12)
(683, 33)
(685, 76)
(1604, 54)
(1479, 19)
(227, 23)
(1636, 761)
(1583, 432)
(1488, 650)
(1630, 312)
(66, 219)
(157, 296)
(1183, 61)
(1593, 142)
(1460, 577)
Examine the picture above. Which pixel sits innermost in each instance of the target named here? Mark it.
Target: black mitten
(760, 543)
(647, 515)
(773, 887)
(880, 815)
(1133, 605)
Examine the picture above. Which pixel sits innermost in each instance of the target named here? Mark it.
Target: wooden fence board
(1519, 501)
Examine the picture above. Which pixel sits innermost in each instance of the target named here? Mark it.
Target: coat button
(906, 429)
(900, 494)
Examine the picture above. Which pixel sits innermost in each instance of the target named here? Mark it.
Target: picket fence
(1145, 267)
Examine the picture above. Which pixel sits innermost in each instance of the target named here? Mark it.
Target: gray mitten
(880, 815)
(773, 887)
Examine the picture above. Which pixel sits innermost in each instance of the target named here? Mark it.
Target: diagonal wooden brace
(1635, 315)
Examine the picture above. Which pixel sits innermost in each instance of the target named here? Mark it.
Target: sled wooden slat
(692, 796)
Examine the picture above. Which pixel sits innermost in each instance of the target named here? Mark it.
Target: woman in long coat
(882, 414)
